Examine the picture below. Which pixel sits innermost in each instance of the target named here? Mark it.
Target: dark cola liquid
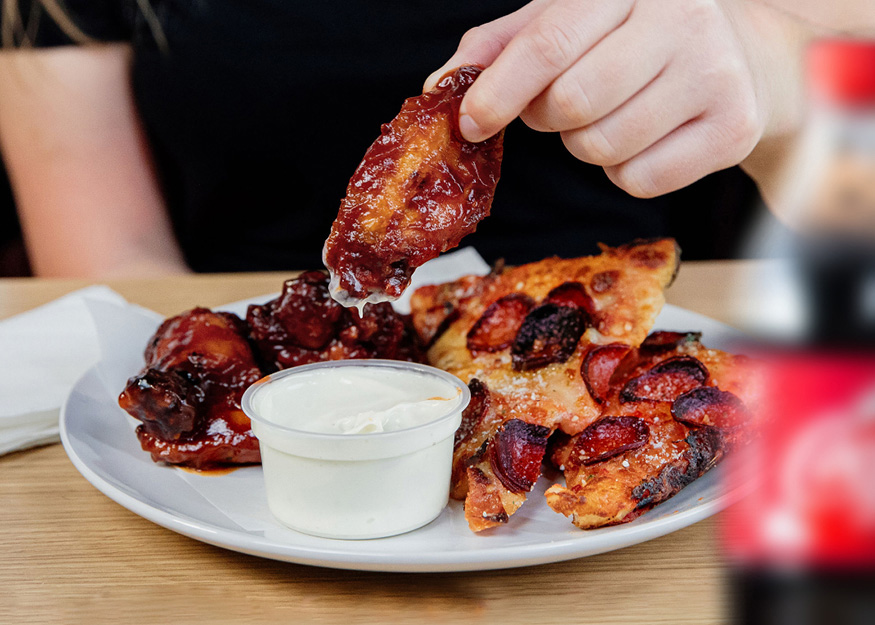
(838, 282)
(806, 597)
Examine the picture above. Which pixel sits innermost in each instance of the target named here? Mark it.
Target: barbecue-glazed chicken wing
(199, 363)
(419, 189)
(305, 325)
(188, 395)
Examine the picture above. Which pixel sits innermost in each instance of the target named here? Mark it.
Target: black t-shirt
(259, 111)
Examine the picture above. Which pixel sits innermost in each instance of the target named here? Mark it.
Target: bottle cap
(842, 71)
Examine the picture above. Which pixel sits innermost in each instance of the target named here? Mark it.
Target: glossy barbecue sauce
(418, 191)
(198, 364)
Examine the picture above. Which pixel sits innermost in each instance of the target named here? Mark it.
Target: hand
(658, 92)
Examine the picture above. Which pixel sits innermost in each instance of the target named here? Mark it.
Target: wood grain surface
(71, 555)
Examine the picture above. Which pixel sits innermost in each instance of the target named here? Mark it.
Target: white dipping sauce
(356, 400)
(356, 449)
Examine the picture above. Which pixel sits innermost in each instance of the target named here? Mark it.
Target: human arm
(87, 194)
(658, 92)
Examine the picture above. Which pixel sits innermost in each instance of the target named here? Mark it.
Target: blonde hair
(20, 32)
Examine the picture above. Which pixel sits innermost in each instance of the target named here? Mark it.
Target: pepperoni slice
(708, 405)
(608, 437)
(499, 324)
(548, 334)
(599, 365)
(474, 412)
(516, 452)
(572, 294)
(666, 380)
(663, 341)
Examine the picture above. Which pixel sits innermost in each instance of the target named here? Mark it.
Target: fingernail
(470, 130)
(431, 81)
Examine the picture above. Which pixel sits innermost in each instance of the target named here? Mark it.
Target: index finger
(534, 58)
(482, 45)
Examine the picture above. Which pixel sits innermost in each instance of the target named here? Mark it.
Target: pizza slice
(518, 337)
(672, 408)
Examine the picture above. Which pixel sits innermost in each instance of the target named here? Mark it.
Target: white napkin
(42, 353)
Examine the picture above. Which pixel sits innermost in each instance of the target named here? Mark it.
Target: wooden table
(70, 555)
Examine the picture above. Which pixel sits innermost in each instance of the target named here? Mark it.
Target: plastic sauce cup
(362, 483)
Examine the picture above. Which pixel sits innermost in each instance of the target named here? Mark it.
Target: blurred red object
(842, 71)
(813, 464)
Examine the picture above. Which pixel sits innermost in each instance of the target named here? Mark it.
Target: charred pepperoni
(499, 324)
(710, 406)
(572, 294)
(548, 334)
(666, 380)
(599, 365)
(516, 452)
(608, 437)
(662, 341)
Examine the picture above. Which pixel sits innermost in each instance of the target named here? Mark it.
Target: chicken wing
(305, 325)
(419, 189)
(188, 395)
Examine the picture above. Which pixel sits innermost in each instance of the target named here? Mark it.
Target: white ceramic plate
(231, 511)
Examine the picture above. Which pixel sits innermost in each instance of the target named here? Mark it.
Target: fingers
(647, 117)
(684, 156)
(604, 78)
(483, 44)
(659, 92)
(539, 52)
